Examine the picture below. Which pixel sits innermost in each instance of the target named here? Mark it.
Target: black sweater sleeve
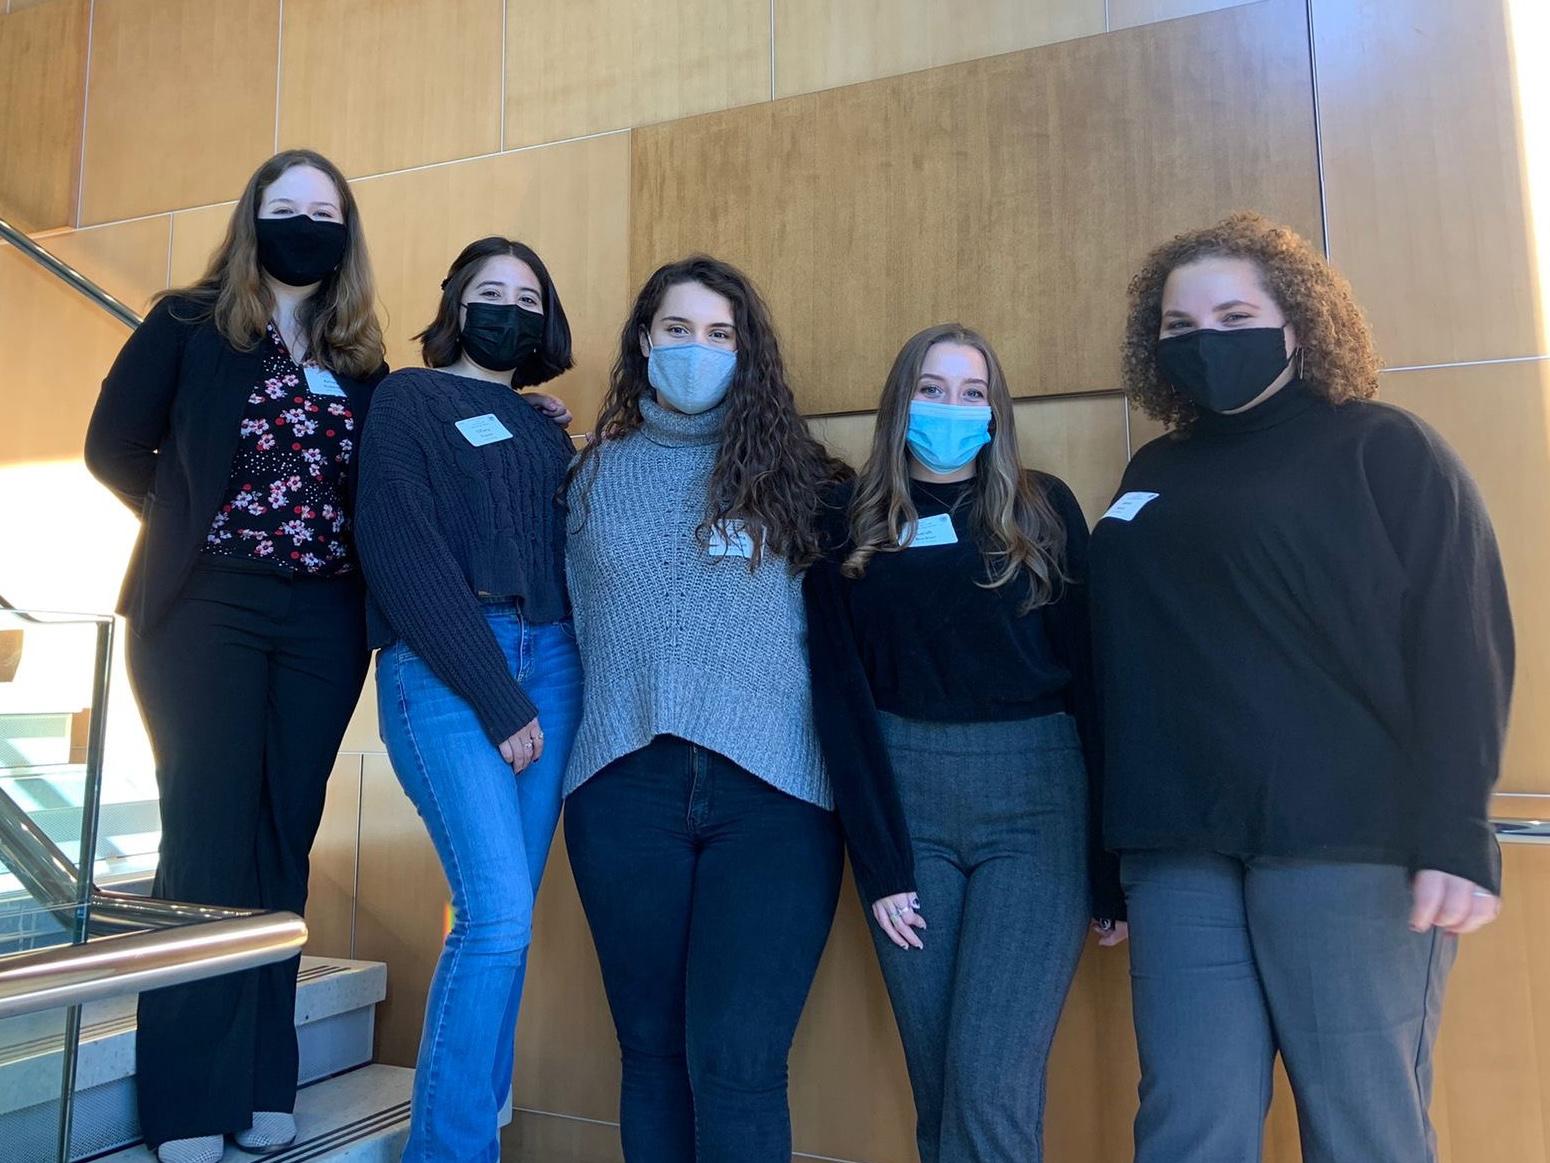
(134, 407)
(414, 577)
(1459, 644)
(1069, 624)
(845, 716)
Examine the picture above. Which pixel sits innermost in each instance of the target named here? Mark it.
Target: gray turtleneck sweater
(676, 638)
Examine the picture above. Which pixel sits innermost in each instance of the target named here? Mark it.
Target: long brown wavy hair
(339, 318)
(1338, 359)
(1018, 529)
(770, 471)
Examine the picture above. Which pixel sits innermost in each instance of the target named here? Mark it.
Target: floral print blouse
(284, 502)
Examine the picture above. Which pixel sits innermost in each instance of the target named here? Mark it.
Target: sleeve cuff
(1469, 849)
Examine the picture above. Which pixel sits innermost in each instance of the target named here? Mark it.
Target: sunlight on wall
(1528, 30)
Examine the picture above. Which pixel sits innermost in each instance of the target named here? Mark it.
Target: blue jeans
(492, 830)
(710, 895)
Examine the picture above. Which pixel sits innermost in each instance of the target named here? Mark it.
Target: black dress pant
(246, 687)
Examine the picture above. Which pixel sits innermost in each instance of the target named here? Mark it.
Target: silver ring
(895, 912)
(1482, 892)
(528, 743)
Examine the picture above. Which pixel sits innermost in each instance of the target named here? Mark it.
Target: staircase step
(335, 1014)
(358, 1117)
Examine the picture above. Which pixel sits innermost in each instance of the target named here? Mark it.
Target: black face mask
(499, 336)
(299, 250)
(1223, 370)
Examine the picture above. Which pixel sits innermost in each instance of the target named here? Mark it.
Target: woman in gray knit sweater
(698, 818)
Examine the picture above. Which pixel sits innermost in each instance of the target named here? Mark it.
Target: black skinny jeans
(710, 896)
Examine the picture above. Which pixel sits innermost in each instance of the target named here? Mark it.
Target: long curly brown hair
(1338, 360)
(340, 317)
(770, 471)
(1019, 528)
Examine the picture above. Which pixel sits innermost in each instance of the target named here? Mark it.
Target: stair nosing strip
(340, 1136)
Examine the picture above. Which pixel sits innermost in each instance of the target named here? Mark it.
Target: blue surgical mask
(945, 437)
(691, 377)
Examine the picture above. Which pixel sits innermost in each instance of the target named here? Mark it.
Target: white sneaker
(204, 1149)
(271, 1131)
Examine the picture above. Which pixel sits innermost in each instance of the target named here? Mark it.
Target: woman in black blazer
(229, 423)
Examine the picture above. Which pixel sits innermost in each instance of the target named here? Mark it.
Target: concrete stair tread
(360, 1117)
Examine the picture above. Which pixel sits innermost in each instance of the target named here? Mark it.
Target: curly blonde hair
(1338, 359)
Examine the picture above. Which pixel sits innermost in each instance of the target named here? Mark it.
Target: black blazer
(162, 437)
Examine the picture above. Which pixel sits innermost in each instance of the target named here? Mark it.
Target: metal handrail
(71, 975)
(61, 269)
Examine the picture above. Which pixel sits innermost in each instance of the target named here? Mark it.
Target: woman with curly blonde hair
(1306, 661)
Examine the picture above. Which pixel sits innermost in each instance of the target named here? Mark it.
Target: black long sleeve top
(442, 520)
(1305, 643)
(918, 636)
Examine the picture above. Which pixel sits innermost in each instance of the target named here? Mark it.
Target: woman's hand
(899, 916)
(1111, 933)
(1451, 903)
(551, 406)
(523, 749)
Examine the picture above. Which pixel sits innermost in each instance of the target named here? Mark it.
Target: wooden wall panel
(180, 107)
(1129, 13)
(379, 87)
(1017, 193)
(42, 86)
(820, 44)
(57, 346)
(401, 909)
(1425, 180)
(195, 235)
(331, 887)
(1498, 418)
(587, 66)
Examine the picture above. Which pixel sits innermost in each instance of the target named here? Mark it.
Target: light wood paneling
(1424, 181)
(42, 85)
(331, 887)
(1497, 416)
(180, 107)
(569, 202)
(362, 734)
(18, 5)
(820, 44)
(57, 345)
(1079, 439)
(401, 909)
(379, 87)
(869, 212)
(592, 65)
(195, 235)
(1129, 13)
(543, 1138)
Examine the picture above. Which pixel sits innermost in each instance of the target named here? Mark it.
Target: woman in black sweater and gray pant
(952, 691)
(1306, 656)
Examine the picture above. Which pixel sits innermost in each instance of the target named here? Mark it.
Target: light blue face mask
(691, 377)
(945, 437)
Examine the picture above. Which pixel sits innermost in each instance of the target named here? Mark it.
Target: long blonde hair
(1018, 529)
(340, 318)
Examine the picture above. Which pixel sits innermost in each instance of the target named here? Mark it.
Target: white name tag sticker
(482, 430)
(1126, 508)
(321, 382)
(931, 531)
(731, 542)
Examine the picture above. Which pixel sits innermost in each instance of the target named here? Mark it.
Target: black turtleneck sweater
(918, 636)
(1304, 641)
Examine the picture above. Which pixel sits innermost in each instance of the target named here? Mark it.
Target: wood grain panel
(57, 345)
(195, 235)
(820, 44)
(180, 107)
(362, 733)
(42, 87)
(401, 907)
(547, 1138)
(587, 66)
(331, 887)
(1129, 13)
(420, 81)
(1497, 416)
(570, 202)
(1425, 181)
(1080, 439)
(868, 212)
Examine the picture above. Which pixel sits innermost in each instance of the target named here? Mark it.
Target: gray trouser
(998, 819)
(1232, 961)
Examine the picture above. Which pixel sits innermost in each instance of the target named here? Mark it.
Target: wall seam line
(1318, 127)
(279, 73)
(172, 223)
(80, 164)
(772, 47)
(1427, 367)
(505, 16)
(355, 881)
(1108, 25)
(527, 1110)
